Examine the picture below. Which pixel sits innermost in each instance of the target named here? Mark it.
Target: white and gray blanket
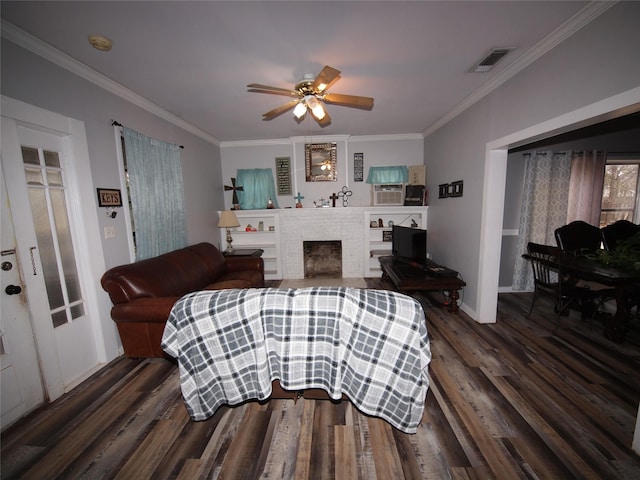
(370, 345)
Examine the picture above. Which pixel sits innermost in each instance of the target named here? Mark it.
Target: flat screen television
(409, 244)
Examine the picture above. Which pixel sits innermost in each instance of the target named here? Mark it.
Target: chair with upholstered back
(578, 237)
(618, 231)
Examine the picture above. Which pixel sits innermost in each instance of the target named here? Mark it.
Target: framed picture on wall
(358, 167)
(108, 197)
(283, 175)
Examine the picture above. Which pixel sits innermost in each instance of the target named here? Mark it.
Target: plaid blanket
(371, 345)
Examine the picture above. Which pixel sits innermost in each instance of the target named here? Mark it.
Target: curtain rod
(115, 123)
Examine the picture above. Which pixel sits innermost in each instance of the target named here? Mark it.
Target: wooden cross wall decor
(235, 191)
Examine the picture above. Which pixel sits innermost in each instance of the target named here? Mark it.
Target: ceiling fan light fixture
(300, 110)
(315, 106)
(318, 111)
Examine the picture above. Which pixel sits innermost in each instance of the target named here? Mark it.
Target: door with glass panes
(35, 164)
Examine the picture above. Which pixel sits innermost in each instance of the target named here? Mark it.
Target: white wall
(389, 150)
(596, 63)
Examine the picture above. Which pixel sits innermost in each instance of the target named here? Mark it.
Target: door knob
(6, 266)
(13, 289)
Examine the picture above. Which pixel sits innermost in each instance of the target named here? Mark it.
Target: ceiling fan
(309, 94)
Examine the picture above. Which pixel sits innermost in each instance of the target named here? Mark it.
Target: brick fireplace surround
(343, 224)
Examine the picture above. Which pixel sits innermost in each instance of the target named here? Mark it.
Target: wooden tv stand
(414, 278)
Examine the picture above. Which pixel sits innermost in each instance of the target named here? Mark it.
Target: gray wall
(31, 79)
(597, 62)
(391, 150)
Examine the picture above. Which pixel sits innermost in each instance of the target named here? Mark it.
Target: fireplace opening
(322, 258)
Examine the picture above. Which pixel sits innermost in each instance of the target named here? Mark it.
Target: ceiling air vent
(493, 57)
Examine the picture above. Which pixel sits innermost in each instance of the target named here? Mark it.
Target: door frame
(86, 229)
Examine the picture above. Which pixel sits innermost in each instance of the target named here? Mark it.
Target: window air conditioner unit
(388, 194)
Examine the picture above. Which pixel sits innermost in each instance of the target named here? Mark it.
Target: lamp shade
(228, 219)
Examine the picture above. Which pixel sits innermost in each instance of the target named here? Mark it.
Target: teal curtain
(378, 175)
(156, 194)
(257, 188)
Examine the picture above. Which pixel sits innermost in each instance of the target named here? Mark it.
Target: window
(620, 191)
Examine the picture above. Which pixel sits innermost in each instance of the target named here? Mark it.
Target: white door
(20, 379)
(36, 164)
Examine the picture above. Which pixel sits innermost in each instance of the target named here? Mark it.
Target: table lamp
(227, 220)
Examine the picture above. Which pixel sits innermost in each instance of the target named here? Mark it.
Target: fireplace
(322, 258)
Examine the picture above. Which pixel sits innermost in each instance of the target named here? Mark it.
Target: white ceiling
(194, 59)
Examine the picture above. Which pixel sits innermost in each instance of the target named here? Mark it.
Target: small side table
(244, 252)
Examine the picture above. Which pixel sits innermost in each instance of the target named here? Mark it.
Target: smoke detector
(490, 59)
(100, 42)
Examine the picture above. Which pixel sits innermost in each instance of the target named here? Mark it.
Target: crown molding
(583, 17)
(27, 41)
(321, 138)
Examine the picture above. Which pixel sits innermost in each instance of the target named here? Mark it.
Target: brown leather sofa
(144, 292)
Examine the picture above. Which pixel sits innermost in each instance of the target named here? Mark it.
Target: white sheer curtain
(585, 188)
(156, 191)
(544, 207)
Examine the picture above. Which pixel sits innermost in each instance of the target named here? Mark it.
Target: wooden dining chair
(568, 292)
(578, 237)
(617, 232)
(547, 280)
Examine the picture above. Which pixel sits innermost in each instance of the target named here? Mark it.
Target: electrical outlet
(109, 232)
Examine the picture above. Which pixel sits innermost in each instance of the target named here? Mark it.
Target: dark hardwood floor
(522, 398)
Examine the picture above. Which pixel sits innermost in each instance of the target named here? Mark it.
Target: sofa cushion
(228, 284)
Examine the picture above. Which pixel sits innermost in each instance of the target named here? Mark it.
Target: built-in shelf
(379, 223)
(283, 231)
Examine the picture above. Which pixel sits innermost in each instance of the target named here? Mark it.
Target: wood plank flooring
(522, 398)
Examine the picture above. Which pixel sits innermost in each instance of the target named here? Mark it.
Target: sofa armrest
(147, 309)
(239, 264)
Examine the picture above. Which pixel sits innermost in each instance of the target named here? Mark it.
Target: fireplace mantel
(292, 226)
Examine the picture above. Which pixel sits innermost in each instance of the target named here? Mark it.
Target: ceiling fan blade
(280, 110)
(327, 77)
(365, 103)
(288, 93)
(259, 88)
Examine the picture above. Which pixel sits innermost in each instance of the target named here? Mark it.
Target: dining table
(625, 281)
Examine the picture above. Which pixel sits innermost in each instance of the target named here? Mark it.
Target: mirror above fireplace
(320, 162)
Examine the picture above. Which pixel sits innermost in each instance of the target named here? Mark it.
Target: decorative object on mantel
(298, 199)
(414, 195)
(228, 220)
(236, 204)
(322, 203)
(270, 204)
(345, 193)
(417, 175)
(333, 198)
